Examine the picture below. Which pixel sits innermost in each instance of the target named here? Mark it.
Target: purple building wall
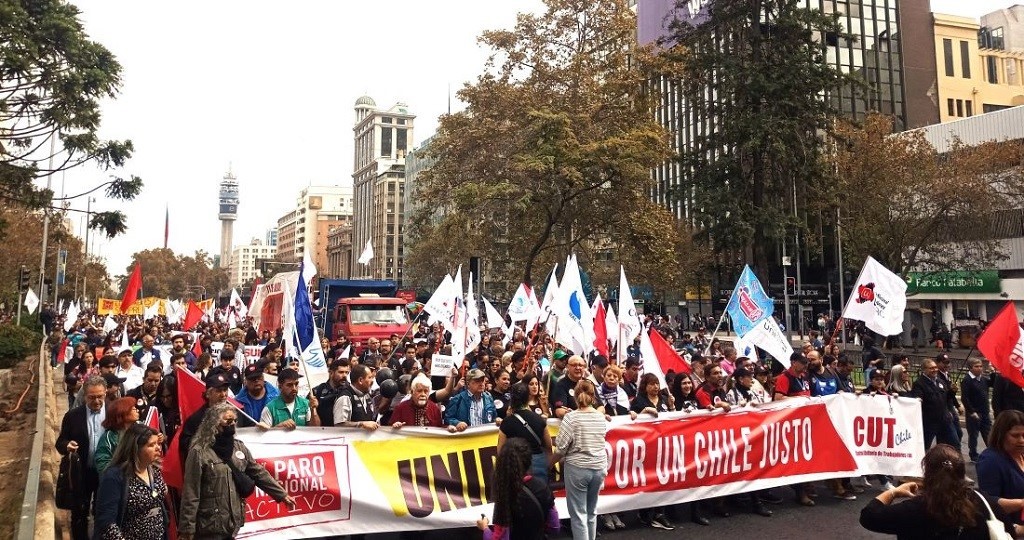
(654, 16)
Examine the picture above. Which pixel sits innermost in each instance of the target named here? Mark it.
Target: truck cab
(369, 315)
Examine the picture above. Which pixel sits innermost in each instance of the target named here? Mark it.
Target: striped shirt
(581, 439)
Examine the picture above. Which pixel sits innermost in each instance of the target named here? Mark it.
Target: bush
(16, 343)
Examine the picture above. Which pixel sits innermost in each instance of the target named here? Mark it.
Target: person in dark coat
(80, 432)
(935, 416)
(974, 394)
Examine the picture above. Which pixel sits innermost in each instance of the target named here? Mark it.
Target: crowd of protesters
(516, 382)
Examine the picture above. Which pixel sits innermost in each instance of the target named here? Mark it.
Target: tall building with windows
(245, 261)
(305, 228)
(382, 140)
(977, 72)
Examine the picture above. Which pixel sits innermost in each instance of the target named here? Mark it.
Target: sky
(267, 89)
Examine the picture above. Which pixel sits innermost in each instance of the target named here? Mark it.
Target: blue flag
(308, 342)
(749, 304)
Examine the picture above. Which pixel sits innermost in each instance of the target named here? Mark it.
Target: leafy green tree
(552, 155)
(52, 78)
(756, 70)
(167, 275)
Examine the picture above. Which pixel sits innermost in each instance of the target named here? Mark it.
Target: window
(385, 119)
(385, 142)
(997, 39)
(960, 107)
(992, 69)
(947, 55)
(970, 108)
(401, 142)
(965, 59)
(988, 107)
(950, 105)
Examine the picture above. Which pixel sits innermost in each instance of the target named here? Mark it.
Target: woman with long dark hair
(130, 501)
(523, 504)
(538, 402)
(523, 423)
(944, 506)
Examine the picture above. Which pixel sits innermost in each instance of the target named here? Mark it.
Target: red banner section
(711, 450)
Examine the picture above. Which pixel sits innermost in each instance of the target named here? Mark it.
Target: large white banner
(348, 481)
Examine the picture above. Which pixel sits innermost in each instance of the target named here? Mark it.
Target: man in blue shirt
(472, 407)
(255, 394)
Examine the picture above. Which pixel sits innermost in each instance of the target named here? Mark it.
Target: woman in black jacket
(523, 505)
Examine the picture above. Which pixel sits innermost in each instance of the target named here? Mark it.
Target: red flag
(131, 292)
(197, 348)
(62, 352)
(190, 400)
(152, 419)
(600, 330)
(668, 358)
(1003, 344)
(192, 316)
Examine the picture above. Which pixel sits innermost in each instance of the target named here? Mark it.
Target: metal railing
(27, 521)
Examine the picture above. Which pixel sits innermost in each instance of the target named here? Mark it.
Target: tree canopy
(755, 73)
(552, 155)
(168, 275)
(52, 78)
(913, 208)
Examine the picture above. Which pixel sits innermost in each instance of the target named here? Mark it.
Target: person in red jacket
(418, 410)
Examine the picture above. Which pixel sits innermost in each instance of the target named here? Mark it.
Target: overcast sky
(268, 87)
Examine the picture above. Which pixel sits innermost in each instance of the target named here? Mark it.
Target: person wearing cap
(288, 410)
(178, 346)
(115, 388)
(216, 392)
(955, 409)
(255, 394)
(473, 406)
(127, 369)
(354, 406)
(230, 371)
(559, 359)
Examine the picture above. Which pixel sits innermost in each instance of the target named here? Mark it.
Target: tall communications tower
(228, 214)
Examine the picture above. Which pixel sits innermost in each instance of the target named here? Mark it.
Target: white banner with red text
(349, 481)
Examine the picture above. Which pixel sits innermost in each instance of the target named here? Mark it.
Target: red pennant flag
(190, 400)
(1003, 344)
(197, 348)
(131, 292)
(668, 358)
(62, 352)
(192, 316)
(153, 419)
(600, 330)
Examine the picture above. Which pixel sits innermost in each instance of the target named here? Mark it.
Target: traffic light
(791, 286)
(24, 277)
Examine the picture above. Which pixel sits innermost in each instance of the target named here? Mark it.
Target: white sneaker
(887, 486)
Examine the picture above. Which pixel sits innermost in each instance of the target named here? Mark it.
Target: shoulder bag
(996, 528)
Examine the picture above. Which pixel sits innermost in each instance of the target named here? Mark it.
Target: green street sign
(958, 281)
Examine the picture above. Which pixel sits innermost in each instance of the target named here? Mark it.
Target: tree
(914, 209)
(167, 275)
(52, 78)
(756, 70)
(552, 154)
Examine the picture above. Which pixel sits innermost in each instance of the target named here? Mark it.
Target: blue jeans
(539, 466)
(581, 488)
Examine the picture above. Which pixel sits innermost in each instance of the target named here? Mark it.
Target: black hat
(112, 379)
(108, 361)
(288, 374)
(253, 372)
(217, 380)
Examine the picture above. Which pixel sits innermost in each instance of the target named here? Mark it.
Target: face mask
(227, 431)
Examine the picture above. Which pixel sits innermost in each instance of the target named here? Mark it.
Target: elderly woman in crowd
(220, 467)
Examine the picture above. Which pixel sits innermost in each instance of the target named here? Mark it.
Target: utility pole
(785, 289)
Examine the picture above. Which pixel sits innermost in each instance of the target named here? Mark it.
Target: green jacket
(210, 505)
(279, 411)
(105, 450)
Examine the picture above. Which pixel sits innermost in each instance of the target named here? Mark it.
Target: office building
(382, 140)
(245, 262)
(305, 228)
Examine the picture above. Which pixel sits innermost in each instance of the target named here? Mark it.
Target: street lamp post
(85, 266)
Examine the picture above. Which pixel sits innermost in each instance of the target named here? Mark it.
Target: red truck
(365, 316)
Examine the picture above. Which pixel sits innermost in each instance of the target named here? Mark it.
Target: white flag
(239, 306)
(31, 301)
(629, 321)
(649, 359)
(767, 335)
(124, 339)
(472, 317)
(109, 324)
(523, 306)
(576, 322)
(71, 317)
(151, 312)
(347, 353)
(494, 319)
(441, 305)
(550, 293)
(367, 254)
(459, 323)
(60, 307)
(611, 325)
(879, 299)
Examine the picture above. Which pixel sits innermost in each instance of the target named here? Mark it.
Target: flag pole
(842, 318)
(720, 319)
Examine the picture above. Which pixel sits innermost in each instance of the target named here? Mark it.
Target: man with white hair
(418, 410)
